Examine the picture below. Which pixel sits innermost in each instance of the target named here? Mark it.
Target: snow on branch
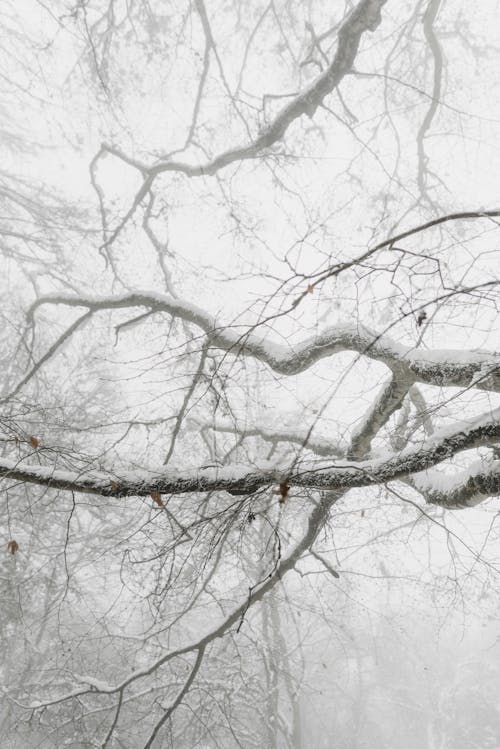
(477, 481)
(443, 367)
(331, 475)
(389, 400)
(462, 489)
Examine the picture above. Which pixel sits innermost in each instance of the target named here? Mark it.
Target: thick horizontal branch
(448, 442)
(332, 475)
(463, 488)
(443, 367)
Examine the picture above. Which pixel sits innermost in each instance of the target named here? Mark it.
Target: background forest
(250, 374)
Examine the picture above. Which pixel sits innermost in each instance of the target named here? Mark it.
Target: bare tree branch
(442, 367)
(483, 431)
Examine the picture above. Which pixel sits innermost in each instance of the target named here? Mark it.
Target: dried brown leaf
(12, 546)
(156, 497)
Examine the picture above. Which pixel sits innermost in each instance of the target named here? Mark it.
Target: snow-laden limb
(331, 475)
(462, 489)
(465, 490)
(443, 367)
(389, 400)
(447, 367)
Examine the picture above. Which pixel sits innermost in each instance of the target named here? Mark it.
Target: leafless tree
(250, 307)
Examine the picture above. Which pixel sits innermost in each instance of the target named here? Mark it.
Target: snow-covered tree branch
(439, 367)
(250, 374)
(481, 432)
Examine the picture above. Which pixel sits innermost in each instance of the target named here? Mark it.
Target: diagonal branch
(48, 355)
(185, 689)
(287, 563)
(388, 401)
(366, 16)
